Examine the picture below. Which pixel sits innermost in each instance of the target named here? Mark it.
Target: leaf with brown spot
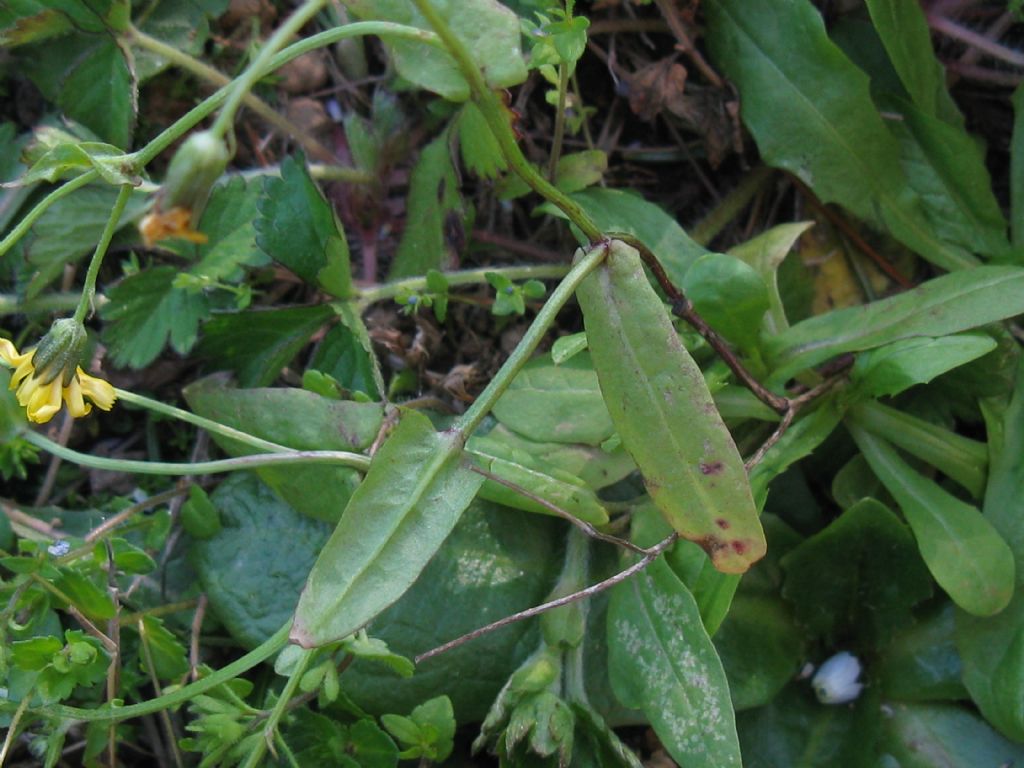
(663, 411)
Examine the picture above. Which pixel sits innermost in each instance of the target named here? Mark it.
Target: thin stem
(977, 40)
(40, 208)
(89, 286)
(471, 419)
(205, 108)
(649, 557)
(50, 302)
(583, 525)
(202, 70)
(258, 655)
(209, 425)
(498, 121)
(556, 144)
(12, 727)
(463, 277)
(256, 70)
(280, 707)
(344, 458)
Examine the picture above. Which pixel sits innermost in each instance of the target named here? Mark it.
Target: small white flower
(836, 680)
(59, 548)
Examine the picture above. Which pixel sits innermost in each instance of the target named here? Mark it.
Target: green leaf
(488, 29)
(903, 364)
(127, 557)
(928, 735)
(993, 648)
(28, 21)
(661, 408)
(765, 253)
(84, 595)
(946, 167)
(298, 228)
(69, 230)
(182, 24)
(199, 517)
(297, 419)
(904, 32)
(252, 570)
(433, 200)
(830, 135)
(860, 577)
(480, 151)
(730, 295)
(552, 403)
(965, 554)
(1017, 171)
(943, 306)
(580, 170)
(257, 344)
(593, 465)
(922, 663)
(145, 311)
(958, 457)
(341, 356)
(617, 210)
(407, 505)
(761, 648)
(795, 731)
(569, 494)
(661, 661)
(497, 561)
(101, 92)
(168, 655)
(150, 308)
(71, 157)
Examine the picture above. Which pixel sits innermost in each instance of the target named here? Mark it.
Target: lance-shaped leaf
(661, 660)
(940, 307)
(663, 411)
(961, 548)
(410, 500)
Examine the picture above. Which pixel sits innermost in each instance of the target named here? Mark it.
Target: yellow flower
(41, 392)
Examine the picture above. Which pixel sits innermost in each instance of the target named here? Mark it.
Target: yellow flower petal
(43, 402)
(97, 390)
(72, 393)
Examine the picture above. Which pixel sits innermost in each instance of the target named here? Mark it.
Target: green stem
(177, 469)
(556, 145)
(280, 707)
(471, 419)
(257, 69)
(12, 727)
(186, 122)
(89, 287)
(209, 425)
(40, 208)
(497, 120)
(202, 70)
(51, 302)
(256, 656)
(463, 277)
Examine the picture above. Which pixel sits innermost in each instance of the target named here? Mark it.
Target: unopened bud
(196, 166)
(59, 351)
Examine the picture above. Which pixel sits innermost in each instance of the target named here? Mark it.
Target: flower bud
(836, 679)
(59, 351)
(196, 166)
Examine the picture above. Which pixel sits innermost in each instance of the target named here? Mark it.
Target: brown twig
(197, 629)
(46, 488)
(969, 37)
(840, 223)
(685, 44)
(649, 556)
(683, 308)
(583, 525)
